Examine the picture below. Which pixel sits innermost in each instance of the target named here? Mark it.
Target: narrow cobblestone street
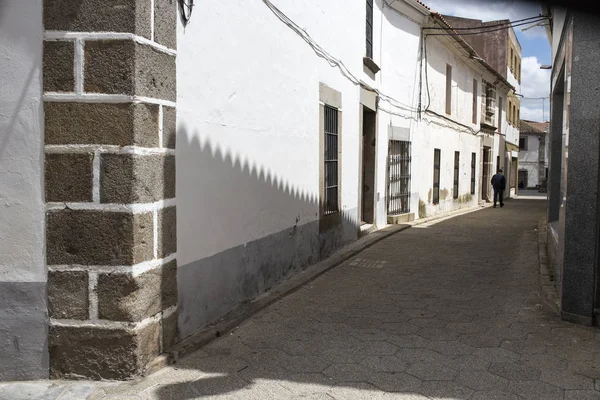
(446, 310)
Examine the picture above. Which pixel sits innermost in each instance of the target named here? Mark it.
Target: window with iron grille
(436, 175)
(488, 102)
(456, 174)
(369, 28)
(398, 200)
(331, 161)
(473, 165)
(499, 114)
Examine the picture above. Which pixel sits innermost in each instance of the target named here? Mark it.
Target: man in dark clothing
(499, 184)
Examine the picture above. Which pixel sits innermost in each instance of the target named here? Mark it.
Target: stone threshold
(234, 318)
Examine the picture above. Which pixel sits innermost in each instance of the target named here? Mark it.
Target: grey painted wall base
(23, 331)
(211, 287)
(578, 319)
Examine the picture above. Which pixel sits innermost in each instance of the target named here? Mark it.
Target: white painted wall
(21, 143)
(249, 86)
(433, 132)
(399, 79)
(23, 353)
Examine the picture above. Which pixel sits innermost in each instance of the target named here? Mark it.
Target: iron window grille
(369, 32)
(473, 165)
(456, 174)
(331, 161)
(436, 175)
(488, 102)
(399, 159)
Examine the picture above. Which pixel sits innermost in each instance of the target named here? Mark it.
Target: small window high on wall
(369, 33)
(475, 101)
(448, 89)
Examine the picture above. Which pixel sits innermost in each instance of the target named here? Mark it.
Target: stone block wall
(109, 77)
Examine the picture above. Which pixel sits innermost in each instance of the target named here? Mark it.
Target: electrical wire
(334, 62)
(489, 26)
(426, 75)
(481, 31)
(356, 81)
(185, 8)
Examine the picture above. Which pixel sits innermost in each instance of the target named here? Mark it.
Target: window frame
(437, 156)
(524, 139)
(475, 102)
(500, 114)
(331, 98)
(473, 172)
(331, 160)
(456, 181)
(448, 89)
(398, 177)
(369, 29)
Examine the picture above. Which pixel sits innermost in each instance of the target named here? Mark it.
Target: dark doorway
(523, 180)
(485, 174)
(369, 130)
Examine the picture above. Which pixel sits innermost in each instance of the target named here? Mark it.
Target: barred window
(331, 161)
(369, 32)
(456, 174)
(436, 175)
(398, 201)
(473, 165)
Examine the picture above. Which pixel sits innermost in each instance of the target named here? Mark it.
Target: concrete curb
(462, 211)
(548, 290)
(234, 318)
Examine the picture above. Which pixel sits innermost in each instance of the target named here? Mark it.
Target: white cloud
(486, 10)
(534, 111)
(535, 82)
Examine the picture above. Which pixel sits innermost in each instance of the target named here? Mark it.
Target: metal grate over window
(331, 161)
(456, 174)
(436, 175)
(369, 32)
(399, 158)
(473, 164)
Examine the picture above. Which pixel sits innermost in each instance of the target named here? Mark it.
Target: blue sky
(536, 51)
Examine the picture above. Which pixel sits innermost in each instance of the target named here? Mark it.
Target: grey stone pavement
(446, 310)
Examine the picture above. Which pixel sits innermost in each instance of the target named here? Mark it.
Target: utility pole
(543, 110)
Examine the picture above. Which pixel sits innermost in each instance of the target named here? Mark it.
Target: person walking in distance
(499, 184)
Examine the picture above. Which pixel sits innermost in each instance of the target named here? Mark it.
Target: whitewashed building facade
(181, 169)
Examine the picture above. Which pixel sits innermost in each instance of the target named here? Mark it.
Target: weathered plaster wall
(248, 147)
(399, 78)
(23, 352)
(529, 159)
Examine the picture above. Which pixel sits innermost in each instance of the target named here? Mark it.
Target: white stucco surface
(21, 143)
(23, 315)
(248, 85)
